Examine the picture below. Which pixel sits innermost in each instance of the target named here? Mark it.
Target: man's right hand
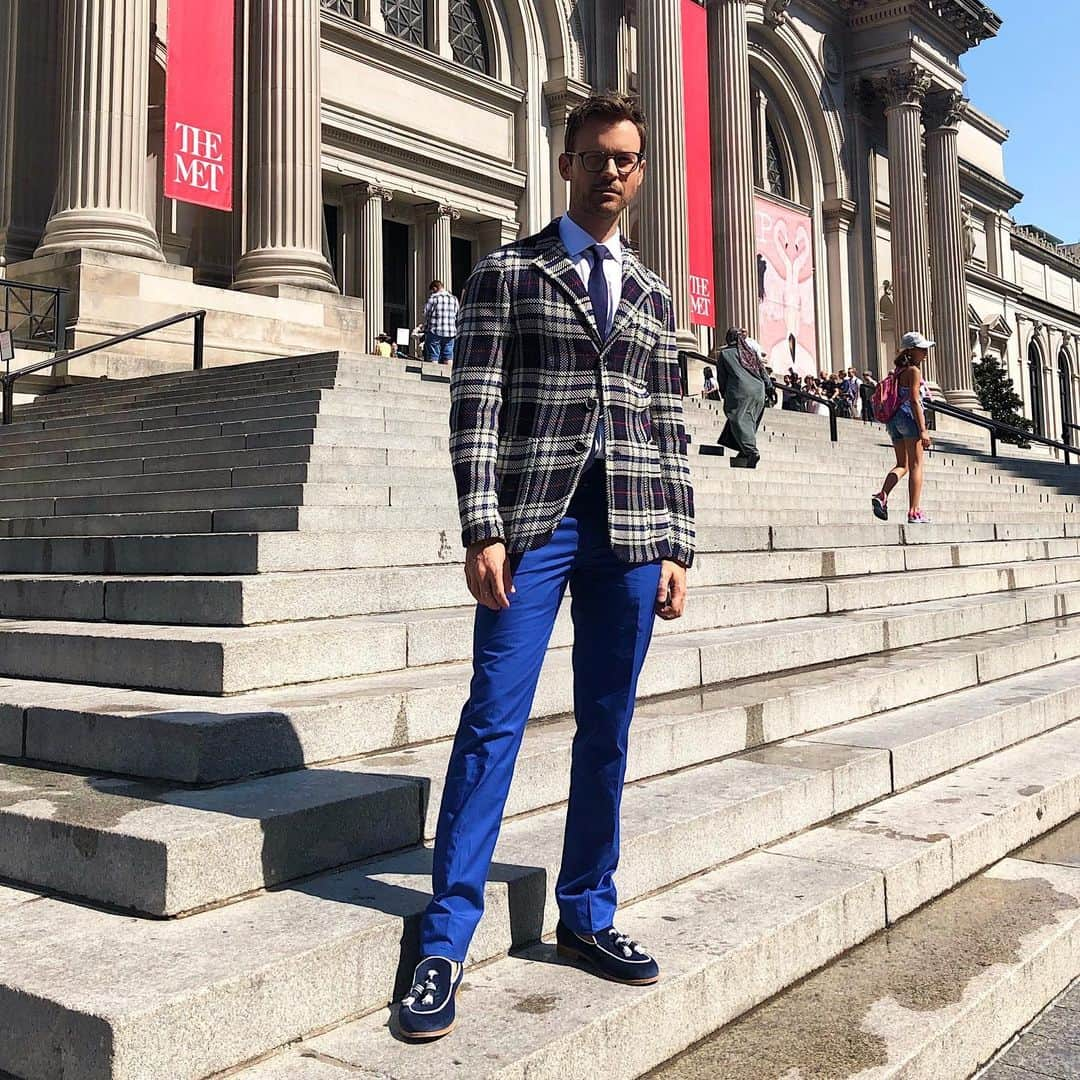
(487, 571)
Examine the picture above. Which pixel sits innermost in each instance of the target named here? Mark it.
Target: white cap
(914, 340)
(756, 346)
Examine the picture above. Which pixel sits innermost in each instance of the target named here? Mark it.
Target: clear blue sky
(1028, 79)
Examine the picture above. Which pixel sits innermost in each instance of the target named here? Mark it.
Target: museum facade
(854, 193)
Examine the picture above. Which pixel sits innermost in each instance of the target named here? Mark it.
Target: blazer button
(590, 404)
(581, 446)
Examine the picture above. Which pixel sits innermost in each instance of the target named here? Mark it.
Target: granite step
(1001, 947)
(726, 554)
(300, 959)
(435, 599)
(306, 417)
(927, 849)
(199, 740)
(106, 388)
(308, 460)
(166, 852)
(189, 410)
(229, 660)
(438, 542)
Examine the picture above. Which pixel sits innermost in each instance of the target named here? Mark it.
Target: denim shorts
(902, 426)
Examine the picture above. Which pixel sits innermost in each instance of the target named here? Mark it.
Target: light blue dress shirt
(577, 243)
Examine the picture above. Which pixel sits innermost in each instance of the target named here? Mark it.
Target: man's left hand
(671, 592)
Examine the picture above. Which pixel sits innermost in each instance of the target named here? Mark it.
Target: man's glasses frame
(595, 161)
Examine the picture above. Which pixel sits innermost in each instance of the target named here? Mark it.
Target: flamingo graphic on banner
(785, 275)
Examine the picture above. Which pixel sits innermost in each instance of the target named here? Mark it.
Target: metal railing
(780, 388)
(997, 429)
(35, 314)
(1068, 428)
(805, 395)
(7, 382)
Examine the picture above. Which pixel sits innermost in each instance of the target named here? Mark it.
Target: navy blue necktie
(598, 291)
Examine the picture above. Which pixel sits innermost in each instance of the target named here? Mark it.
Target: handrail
(805, 395)
(36, 321)
(7, 382)
(996, 428)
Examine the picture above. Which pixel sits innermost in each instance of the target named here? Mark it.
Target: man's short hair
(609, 107)
(435, 286)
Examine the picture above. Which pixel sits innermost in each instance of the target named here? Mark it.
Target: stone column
(947, 262)
(283, 211)
(560, 96)
(839, 218)
(495, 233)
(364, 257)
(8, 34)
(732, 167)
(664, 220)
(438, 218)
(101, 191)
(904, 89)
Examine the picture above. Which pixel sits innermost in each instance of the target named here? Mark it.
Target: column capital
(366, 189)
(944, 110)
(435, 210)
(838, 214)
(907, 84)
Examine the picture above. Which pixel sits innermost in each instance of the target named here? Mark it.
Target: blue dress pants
(612, 609)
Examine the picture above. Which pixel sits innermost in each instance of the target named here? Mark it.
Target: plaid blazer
(529, 381)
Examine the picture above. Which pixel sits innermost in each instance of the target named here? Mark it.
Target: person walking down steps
(570, 459)
(744, 384)
(902, 395)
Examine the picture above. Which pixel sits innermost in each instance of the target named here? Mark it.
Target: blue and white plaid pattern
(440, 314)
(526, 392)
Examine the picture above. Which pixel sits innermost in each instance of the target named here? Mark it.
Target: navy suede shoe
(428, 1010)
(608, 953)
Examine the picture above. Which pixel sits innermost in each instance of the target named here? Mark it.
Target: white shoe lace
(423, 991)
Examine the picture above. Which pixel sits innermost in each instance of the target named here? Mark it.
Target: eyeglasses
(595, 161)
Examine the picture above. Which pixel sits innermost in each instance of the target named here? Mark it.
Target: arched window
(777, 180)
(468, 40)
(405, 19)
(1038, 417)
(1065, 390)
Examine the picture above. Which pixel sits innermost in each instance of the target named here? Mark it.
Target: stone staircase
(234, 643)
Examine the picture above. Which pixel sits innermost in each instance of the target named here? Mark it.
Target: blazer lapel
(554, 263)
(635, 291)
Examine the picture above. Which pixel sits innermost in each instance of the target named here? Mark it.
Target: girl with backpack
(898, 401)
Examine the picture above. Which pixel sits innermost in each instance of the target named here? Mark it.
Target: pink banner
(199, 103)
(698, 163)
(785, 279)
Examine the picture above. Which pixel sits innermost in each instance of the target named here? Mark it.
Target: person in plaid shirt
(570, 458)
(440, 323)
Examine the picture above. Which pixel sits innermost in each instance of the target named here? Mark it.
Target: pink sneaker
(918, 518)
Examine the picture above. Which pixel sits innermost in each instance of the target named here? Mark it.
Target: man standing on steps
(569, 454)
(440, 323)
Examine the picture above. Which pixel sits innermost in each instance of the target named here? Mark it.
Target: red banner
(199, 103)
(698, 163)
